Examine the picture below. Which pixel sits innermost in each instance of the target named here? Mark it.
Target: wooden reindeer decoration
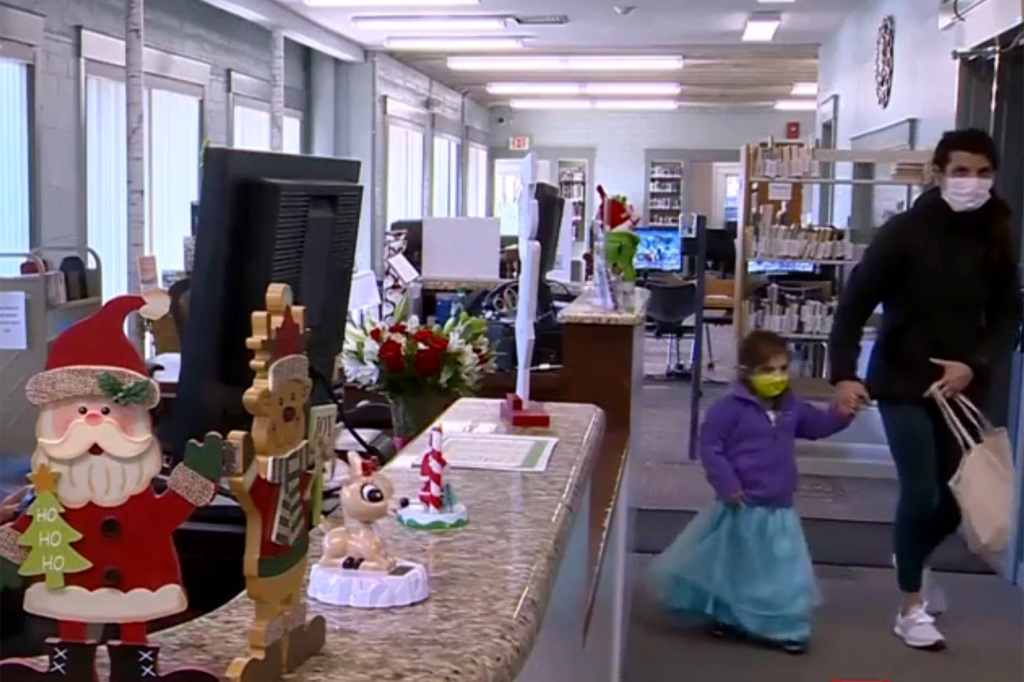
(272, 476)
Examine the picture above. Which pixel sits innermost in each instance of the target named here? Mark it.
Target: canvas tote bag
(983, 483)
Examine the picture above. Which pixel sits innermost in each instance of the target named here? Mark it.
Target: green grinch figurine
(620, 241)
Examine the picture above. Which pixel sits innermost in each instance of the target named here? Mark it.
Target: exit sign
(519, 143)
(792, 130)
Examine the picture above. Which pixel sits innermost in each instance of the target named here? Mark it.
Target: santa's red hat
(93, 357)
(613, 213)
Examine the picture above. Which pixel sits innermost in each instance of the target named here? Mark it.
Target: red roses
(427, 356)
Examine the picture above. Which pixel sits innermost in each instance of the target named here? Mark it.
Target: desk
(508, 599)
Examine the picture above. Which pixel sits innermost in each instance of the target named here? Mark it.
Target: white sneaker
(917, 630)
(932, 592)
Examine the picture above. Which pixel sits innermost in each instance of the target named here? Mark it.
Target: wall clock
(884, 60)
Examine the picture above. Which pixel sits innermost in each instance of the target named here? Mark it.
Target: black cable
(368, 450)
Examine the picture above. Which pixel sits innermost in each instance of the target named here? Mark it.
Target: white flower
(362, 370)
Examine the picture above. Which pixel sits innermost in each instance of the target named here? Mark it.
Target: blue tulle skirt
(747, 568)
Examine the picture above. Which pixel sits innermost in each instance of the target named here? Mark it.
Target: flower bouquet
(421, 368)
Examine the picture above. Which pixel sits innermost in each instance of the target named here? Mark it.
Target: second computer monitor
(660, 248)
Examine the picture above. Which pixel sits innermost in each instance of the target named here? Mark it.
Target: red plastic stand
(513, 412)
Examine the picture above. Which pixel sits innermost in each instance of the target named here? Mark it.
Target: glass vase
(412, 414)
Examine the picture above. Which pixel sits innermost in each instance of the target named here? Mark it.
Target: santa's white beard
(102, 479)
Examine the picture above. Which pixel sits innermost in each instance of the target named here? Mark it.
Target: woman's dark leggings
(926, 454)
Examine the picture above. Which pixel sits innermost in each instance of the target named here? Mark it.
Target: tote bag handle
(973, 414)
(963, 436)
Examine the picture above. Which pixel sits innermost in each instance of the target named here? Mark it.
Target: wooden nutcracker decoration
(437, 509)
(272, 476)
(96, 541)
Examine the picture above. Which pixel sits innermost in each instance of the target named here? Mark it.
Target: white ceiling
(720, 69)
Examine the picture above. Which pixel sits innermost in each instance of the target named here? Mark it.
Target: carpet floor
(853, 637)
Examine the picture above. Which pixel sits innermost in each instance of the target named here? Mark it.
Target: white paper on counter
(13, 321)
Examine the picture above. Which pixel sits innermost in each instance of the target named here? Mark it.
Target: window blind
(292, 142)
(405, 174)
(445, 180)
(476, 182)
(15, 195)
(251, 129)
(106, 180)
(174, 134)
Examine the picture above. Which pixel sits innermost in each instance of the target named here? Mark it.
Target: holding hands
(850, 397)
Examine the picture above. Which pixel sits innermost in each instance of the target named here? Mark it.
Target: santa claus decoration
(620, 241)
(272, 475)
(95, 543)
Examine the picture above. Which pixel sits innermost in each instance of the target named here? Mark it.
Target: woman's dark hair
(759, 347)
(970, 140)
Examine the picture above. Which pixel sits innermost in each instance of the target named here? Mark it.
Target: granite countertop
(582, 311)
(490, 581)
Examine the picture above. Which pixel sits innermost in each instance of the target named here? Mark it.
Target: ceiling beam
(296, 27)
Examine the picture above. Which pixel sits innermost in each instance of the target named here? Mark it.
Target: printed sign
(792, 130)
(148, 275)
(321, 439)
(519, 143)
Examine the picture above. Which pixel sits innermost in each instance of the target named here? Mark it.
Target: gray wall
(184, 27)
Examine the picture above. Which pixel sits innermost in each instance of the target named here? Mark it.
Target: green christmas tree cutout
(49, 536)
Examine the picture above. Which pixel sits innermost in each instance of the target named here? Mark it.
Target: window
(14, 162)
(173, 183)
(476, 182)
(251, 129)
(445, 179)
(106, 180)
(508, 184)
(172, 140)
(405, 173)
(292, 142)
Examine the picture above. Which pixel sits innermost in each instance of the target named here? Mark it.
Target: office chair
(669, 307)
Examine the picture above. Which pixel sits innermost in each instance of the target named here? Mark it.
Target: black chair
(669, 308)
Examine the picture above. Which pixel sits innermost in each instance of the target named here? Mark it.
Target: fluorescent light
(534, 88)
(796, 105)
(605, 104)
(584, 89)
(804, 90)
(761, 27)
(391, 3)
(551, 104)
(776, 2)
(588, 63)
(631, 88)
(452, 44)
(636, 104)
(429, 24)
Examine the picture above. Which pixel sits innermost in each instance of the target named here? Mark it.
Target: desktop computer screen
(660, 248)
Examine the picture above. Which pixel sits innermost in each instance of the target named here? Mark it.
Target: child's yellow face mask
(769, 385)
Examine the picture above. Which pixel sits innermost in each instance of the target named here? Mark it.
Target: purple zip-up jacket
(744, 452)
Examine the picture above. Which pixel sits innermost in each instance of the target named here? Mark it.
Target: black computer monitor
(660, 249)
(413, 230)
(263, 218)
(550, 209)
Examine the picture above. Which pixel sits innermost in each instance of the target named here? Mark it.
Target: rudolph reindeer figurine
(356, 568)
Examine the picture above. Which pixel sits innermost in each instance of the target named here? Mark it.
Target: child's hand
(735, 500)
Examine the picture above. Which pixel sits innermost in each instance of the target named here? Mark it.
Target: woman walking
(945, 275)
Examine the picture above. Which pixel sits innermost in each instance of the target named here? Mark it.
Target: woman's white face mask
(966, 194)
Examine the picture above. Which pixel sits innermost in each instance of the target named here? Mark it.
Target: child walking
(743, 562)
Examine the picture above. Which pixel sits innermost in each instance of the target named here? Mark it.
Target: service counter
(509, 592)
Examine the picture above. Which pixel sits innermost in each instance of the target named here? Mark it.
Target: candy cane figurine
(437, 508)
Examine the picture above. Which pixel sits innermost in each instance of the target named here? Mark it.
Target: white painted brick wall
(186, 27)
(620, 138)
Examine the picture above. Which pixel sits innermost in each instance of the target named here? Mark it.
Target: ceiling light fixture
(588, 104)
(804, 90)
(551, 104)
(636, 104)
(599, 89)
(588, 63)
(761, 27)
(776, 2)
(452, 44)
(377, 4)
(439, 24)
(796, 105)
